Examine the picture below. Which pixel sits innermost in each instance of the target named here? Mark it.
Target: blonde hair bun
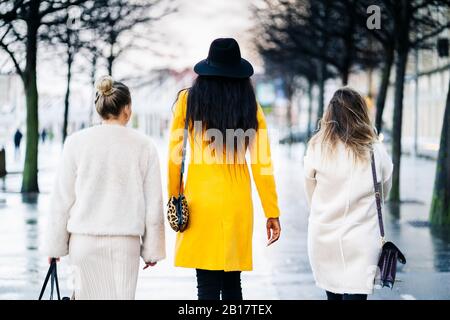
(104, 85)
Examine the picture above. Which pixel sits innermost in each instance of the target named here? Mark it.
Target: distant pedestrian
(343, 236)
(44, 135)
(17, 141)
(218, 238)
(107, 200)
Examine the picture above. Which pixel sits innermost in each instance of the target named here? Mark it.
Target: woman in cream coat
(107, 205)
(343, 236)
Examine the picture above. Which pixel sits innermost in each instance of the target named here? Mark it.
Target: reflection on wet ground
(280, 272)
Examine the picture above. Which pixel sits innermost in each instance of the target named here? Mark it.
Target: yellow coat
(219, 196)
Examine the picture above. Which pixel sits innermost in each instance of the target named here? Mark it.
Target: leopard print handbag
(178, 213)
(177, 207)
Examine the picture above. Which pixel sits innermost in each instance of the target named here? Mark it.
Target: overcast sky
(189, 32)
(183, 38)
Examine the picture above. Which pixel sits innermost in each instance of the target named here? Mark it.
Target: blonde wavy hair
(346, 120)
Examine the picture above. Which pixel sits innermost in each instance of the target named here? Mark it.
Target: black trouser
(345, 296)
(211, 284)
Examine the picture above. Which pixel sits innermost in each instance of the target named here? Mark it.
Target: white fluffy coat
(108, 183)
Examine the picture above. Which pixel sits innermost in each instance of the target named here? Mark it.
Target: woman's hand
(51, 258)
(149, 264)
(273, 230)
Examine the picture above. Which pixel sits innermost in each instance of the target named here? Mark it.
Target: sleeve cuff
(153, 248)
(55, 250)
(151, 256)
(274, 213)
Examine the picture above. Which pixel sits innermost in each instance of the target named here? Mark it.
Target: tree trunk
(347, 60)
(382, 90)
(402, 45)
(440, 204)
(94, 68)
(111, 58)
(310, 108)
(67, 96)
(110, 65)
(289, 83)
(400, 70)
(344, 76)
(30, 170)
(321, 84)
(2, 163)
(349, 41)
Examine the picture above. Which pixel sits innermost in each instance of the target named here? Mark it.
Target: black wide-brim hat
(224, 60)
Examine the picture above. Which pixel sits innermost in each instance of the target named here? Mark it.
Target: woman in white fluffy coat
(343, 233)
(106, 207)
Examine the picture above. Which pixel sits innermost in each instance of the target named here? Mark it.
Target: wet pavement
(280, 272)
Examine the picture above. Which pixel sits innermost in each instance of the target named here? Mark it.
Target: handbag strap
(53, 277)
(47, 277)
(54, 282)
(183, 153)
(377, 189)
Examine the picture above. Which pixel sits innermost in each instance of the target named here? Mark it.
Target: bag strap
(183, 153)
(376, 186)
(54, 282)
(47, 277)
(53, 277)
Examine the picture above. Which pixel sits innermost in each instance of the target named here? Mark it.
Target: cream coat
(108, 184)
(343, 236)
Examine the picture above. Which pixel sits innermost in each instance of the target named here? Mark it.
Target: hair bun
(104, 85)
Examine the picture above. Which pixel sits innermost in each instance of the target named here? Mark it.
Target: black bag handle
(52, 275)
(183, 153)
(376, 186)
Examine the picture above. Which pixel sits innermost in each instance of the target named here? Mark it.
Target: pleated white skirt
(105, 267)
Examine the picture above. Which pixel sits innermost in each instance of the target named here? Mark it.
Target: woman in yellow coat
(224, 121)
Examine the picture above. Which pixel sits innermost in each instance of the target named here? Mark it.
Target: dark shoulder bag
(177, 207)
(52, 275)
(390, 254)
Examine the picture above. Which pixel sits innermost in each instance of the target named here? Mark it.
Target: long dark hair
(222, 103)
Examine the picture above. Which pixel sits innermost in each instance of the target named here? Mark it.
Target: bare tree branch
(13, 58)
